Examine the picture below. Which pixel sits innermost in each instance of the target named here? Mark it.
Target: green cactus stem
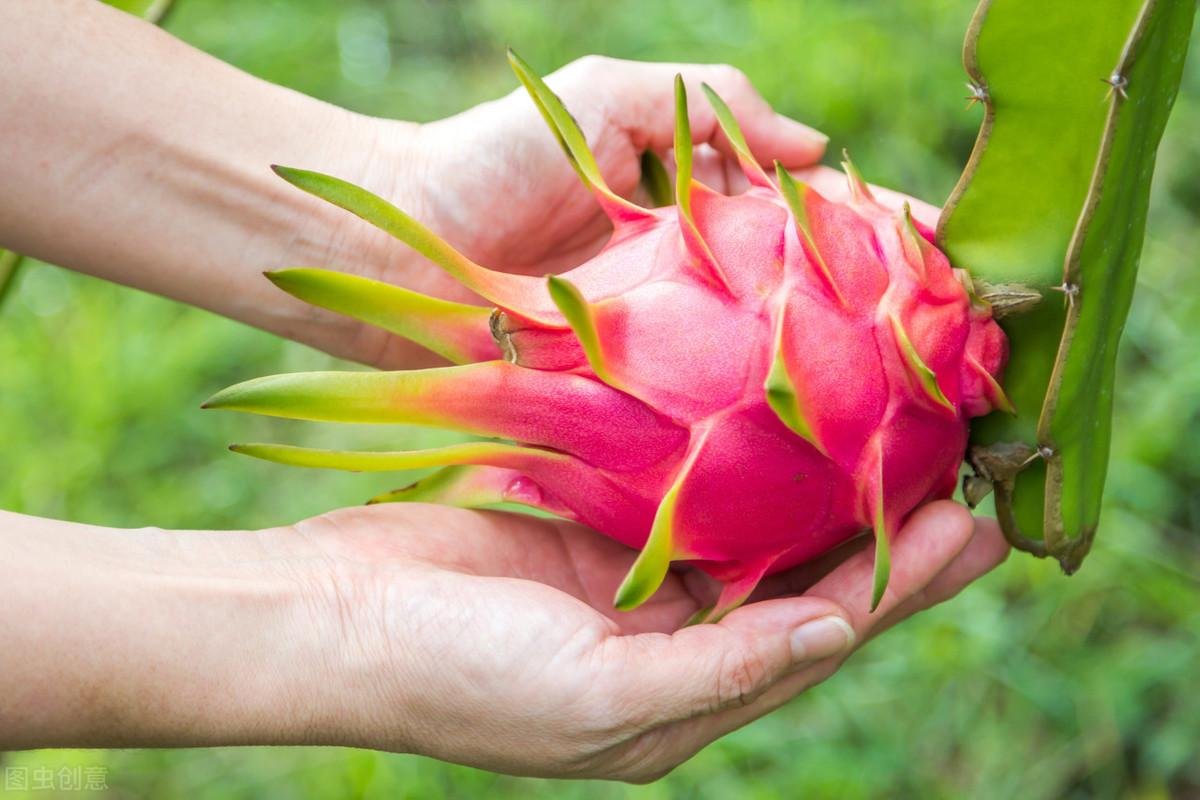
(1049, 218)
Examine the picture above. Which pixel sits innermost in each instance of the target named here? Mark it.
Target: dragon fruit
(737, 383)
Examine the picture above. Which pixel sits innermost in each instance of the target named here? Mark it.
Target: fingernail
(821, 638)
(807, 132)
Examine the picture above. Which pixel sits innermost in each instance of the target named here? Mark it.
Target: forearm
(133, 157)
(136, 638)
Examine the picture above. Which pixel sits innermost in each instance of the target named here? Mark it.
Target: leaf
(569, 135)
(656, 180)
(457, 331)
(514, 292)
(495, 454)
(10, 266)
(733, 132)
(579, 315)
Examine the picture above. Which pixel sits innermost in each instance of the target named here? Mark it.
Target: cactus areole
(739, 383)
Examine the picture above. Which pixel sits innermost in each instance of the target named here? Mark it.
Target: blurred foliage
(1028, 685)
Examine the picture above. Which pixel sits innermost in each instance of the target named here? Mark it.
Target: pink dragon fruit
(739, 383)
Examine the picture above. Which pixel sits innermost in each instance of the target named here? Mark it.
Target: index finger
(643, 104)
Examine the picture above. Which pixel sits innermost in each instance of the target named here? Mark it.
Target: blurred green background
(1028, 685)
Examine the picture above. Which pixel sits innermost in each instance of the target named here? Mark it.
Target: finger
(832, 185)
(644, 106)
(770, 136)
(987, 550)
(932, 540)
(709, 166)
(802, 578)
(934, 535)
(794, 581)
(704, 669)
(717, 171)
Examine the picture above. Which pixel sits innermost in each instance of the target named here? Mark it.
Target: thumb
(704, 669)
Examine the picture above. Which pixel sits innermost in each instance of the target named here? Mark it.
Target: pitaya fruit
(738, 383)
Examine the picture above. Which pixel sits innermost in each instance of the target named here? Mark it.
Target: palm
(518, 568)
(456, 616)
(470, 549)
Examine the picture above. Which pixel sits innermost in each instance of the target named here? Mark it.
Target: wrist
(154, 638)
(388, 158)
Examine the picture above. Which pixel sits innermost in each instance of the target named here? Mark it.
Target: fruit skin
(739, 383)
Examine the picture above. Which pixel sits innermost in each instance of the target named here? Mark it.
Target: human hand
(497, 185)
(494, 182)
(489, 639)
(483, 638)
(200, 215)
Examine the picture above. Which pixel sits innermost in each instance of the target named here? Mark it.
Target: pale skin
(477, 637)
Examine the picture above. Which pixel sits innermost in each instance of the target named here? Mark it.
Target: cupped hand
(498, 185)
(494, 182)
(489, 639)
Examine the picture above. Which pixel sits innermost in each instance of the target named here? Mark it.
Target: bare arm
(129, 155)
(133, 157)
(137, 638)
(476, 637)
